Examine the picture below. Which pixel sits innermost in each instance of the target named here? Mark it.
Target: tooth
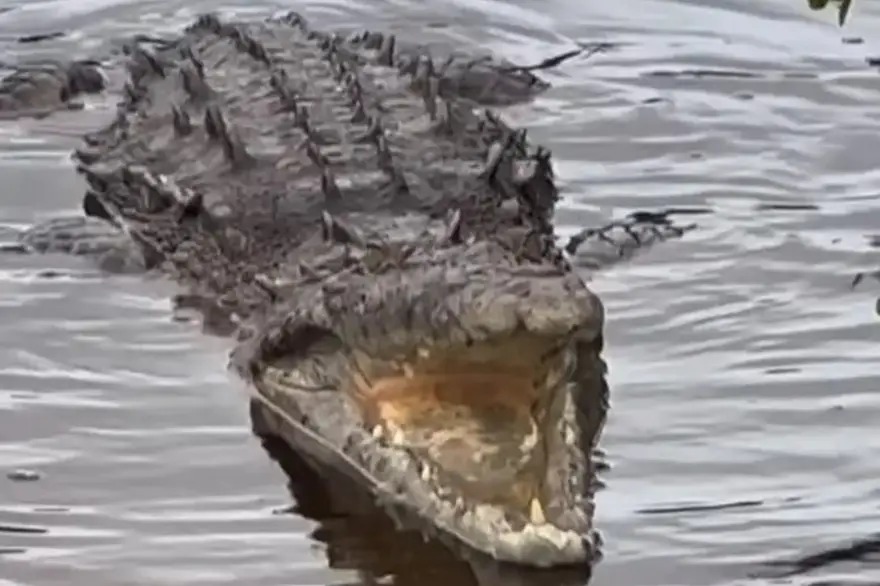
(531, 440)
(426, 472)
(468, 518)
(424, 352)
(408, 371)
(377, 432)
(397, 438)
(536, 512)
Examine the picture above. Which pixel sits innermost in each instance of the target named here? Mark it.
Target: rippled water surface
(744, 370)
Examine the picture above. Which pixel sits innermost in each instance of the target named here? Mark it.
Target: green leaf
(843, 7)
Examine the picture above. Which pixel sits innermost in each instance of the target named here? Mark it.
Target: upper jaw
(448, 304)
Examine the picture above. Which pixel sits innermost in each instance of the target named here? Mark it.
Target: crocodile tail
(484, 79)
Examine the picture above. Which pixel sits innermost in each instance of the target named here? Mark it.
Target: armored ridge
(387, 258)
(37, 88)
(265, 130)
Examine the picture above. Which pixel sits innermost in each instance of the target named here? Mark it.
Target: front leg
(40, 88)
(94, 238)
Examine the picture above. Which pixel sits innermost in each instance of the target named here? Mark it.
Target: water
(744, 370)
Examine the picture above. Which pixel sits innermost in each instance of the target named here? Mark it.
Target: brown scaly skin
(386, 256)
(36, 89)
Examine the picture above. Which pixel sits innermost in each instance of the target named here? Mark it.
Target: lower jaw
(393, 476)
(540, 545)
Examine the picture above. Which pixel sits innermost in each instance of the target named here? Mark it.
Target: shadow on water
(862, 551)
(360, 536)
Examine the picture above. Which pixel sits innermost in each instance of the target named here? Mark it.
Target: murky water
(745, 373)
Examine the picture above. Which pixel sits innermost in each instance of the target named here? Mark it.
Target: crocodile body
(385, 254)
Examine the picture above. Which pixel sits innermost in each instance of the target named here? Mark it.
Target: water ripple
(743, 367)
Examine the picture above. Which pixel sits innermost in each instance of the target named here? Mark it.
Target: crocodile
(380, 246)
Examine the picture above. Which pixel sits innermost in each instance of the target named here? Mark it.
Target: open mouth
(483, 439)
(475, 416)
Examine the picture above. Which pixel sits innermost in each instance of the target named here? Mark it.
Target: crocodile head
(461, 381)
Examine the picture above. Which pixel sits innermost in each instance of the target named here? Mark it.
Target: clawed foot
(110, 248)
(620, 239)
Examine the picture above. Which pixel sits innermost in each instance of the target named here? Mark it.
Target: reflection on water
(359, 536)
(742, 437)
